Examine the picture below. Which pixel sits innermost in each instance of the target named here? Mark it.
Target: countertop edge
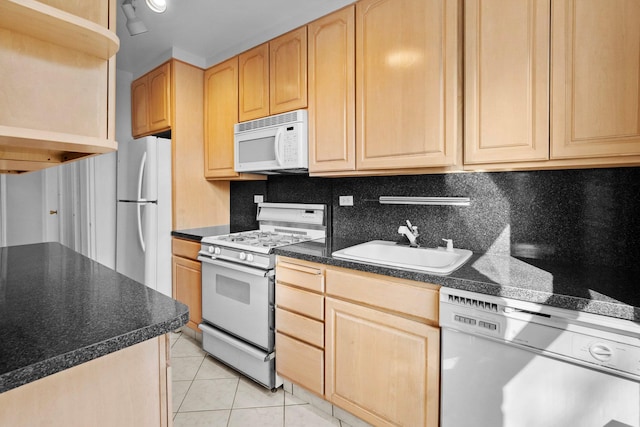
(44, 368)
(603, 308)
(196, 234)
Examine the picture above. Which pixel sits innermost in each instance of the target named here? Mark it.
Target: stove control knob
(250, 257)
(242, 256)
(210, 249)
(217, 251)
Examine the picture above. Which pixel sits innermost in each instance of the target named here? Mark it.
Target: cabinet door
(332, 92)
(160, 98)
(220, 114)
(381, 367)
(506, 80)
(254, 83)
(595, 78)
(139, 107)
(407, 83)
(288, 71)
(187, 278)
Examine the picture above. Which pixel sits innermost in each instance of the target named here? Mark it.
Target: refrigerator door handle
(140, 236)
(143, 162)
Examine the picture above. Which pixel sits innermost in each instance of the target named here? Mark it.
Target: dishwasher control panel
(554, 332)
(491, 326)
(615, 355)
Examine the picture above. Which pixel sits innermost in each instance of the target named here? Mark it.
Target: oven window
(257, 150)
(233, 288)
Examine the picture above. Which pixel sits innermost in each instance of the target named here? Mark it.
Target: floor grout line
(238, 378)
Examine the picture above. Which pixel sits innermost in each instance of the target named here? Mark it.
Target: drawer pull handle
(300, 268)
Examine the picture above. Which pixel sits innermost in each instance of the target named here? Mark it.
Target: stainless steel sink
(390, 254)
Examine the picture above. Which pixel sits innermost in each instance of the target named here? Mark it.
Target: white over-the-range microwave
(274, 144)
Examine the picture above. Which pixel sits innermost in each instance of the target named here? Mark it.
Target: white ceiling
(205, 32)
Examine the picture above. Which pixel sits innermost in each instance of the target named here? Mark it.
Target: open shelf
(25, 150)
(43, 22)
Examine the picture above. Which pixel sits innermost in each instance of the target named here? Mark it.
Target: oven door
(239, 300)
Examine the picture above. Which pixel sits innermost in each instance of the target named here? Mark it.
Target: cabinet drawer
(301, 274)
(303, 328)
(401, 296)
(299, 301)
(300, 363)
(185, 248)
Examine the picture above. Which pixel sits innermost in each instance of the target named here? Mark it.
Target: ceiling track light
(157, 6)
(134, 24)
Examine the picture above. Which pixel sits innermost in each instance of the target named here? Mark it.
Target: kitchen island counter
(591, 289)
(60, 309)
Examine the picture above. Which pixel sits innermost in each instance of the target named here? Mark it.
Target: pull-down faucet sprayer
(411, 232)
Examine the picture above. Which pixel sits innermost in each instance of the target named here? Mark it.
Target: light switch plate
(346, 200)
(258, 198)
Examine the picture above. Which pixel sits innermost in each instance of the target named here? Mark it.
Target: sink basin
(390, 254)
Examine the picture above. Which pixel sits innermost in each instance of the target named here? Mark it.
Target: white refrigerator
(143, 250)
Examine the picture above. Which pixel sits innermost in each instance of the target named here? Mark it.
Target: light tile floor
(207, 393)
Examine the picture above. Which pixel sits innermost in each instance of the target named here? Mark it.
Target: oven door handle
(234, 266)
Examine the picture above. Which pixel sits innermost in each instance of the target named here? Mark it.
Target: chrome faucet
(411, 232)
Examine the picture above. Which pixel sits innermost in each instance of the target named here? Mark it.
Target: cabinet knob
(53, 212)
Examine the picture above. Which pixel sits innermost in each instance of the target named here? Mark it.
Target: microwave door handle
(278, 145)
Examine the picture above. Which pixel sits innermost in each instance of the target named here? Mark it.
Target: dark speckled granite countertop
(196, 234)
(59, 309)
(598, 290)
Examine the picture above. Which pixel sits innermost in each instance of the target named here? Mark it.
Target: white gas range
(238, 287)
(280, 224)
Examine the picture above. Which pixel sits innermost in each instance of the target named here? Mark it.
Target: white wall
(104, 197)
(24, 210)
(105, 209)
(123, 106)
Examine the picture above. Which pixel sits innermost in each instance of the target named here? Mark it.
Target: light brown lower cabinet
(187, 278)
(300, 323)
(131, 387)
(381, 367)
(367, 343)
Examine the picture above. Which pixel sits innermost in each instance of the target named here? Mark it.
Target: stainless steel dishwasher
(516, 364)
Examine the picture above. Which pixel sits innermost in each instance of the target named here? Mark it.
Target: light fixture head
(134, 24)
(157, 6)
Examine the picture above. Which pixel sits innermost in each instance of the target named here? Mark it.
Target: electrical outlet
(258, 198)
(346, 200)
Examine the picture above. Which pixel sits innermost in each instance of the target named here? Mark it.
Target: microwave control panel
(290, 146)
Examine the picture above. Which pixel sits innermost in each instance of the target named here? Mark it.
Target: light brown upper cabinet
(151, 102)
(254, 83)
(273, 76)
(220, 114)
(332, 84)
(506, 95)
(288, 72)
(595, 78)
(551, 84)
(140, 106)
(407, 84)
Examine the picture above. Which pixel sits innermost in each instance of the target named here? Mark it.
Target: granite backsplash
(589, 216)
